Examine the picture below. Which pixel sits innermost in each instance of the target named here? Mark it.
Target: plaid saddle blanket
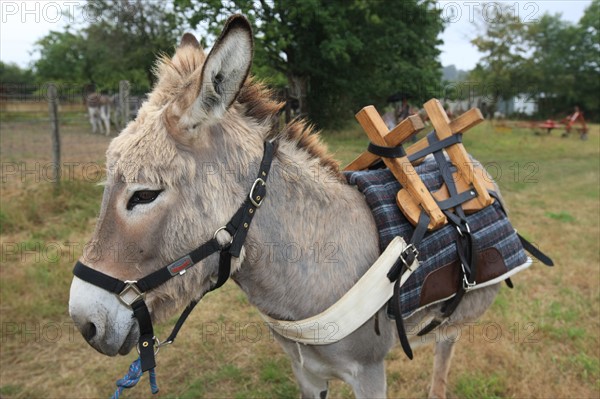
(501, 252)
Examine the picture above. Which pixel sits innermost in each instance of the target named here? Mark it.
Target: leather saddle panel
(443, 282)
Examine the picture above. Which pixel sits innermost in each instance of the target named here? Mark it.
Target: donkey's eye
(142, 197)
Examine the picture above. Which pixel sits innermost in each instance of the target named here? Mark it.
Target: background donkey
(99, 108)
(161, 201)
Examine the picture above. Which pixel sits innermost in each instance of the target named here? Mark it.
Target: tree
(587, 61)
(554, 62)
(62, 58)
(336, 55)
(120, 41)
(502, 71)
(15, 80)
(13, 74)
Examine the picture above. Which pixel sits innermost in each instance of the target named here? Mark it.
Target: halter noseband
(132, 293)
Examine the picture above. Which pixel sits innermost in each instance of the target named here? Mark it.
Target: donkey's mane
(259, 103)
(256, 100)
(301, 133)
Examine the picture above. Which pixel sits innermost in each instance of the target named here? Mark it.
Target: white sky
(461, 27)
(22, 23)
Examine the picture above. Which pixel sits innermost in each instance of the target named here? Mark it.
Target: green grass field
(541, 339)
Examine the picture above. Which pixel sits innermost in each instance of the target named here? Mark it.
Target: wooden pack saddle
(444, 205)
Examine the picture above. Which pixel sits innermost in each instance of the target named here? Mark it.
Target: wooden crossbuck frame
(414, 197)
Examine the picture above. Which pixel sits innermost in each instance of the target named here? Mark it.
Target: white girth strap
(357, 306)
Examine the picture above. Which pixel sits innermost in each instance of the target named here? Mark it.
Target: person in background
(389, 117)
(403, 112)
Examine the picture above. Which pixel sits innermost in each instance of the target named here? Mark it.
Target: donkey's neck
(311, 240)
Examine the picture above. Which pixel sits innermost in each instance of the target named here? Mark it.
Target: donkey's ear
(226, 67)
(189, 40)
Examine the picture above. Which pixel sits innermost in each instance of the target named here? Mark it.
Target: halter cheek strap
(132, 293)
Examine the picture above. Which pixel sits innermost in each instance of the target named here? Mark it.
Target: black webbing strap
(435, 145)
(467, 254)
(466, 246)
(240, 223)
(152, 280)
(407, 257)
(386, 152)
(456, 200)
(146, 340)
(179, 266)
(399, 152)
(433, 324)
(180, 321)
(224, 270)
(421, 229)
(529, 247)
(397, 311)
(97, 278)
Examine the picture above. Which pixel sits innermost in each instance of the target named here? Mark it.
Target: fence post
(124, 102)
(53, 111)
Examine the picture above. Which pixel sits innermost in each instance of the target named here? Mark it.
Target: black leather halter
(132, 293)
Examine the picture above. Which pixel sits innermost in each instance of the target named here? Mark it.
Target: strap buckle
(467, 286)
(258, 201)
(404, 255)
(467, 228)
(131, 293)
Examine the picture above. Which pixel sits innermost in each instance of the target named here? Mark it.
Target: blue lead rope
(132, 377)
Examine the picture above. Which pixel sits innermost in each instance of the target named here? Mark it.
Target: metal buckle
(130, 293)
(157, 345)
(250, 196)
(415, 252)
(466, 227)
(466, 285)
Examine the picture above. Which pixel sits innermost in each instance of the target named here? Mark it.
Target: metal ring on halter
(157, 344)
(217, 232)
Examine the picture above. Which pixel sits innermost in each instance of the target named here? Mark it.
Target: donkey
(99, 108)
(170, 186)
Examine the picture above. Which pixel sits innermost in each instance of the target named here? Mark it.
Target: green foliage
(15, 80)
(336, 55)
(553, 61)
(63, 58)
(121, 43)
(11, 73)
(587, 84)
(503, 65)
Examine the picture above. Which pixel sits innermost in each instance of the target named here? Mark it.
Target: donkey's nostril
(88, 330)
